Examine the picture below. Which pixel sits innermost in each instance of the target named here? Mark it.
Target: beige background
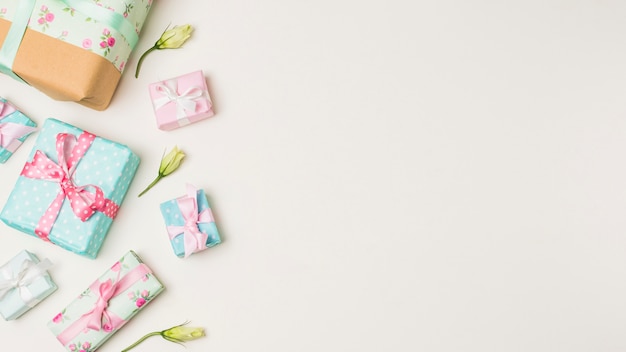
(387, 176)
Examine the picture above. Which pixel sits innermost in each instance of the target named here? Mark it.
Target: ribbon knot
(99, 317)
(84, 200)
(194, 240)
(185, 102)
(20, 280)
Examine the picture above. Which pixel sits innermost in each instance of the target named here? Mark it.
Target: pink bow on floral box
(190, 223)
(181, 101)
(71, 187)
(106, 305)
(15, 127)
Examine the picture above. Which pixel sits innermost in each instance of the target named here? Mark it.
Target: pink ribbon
(194, 239)
(6, 109)
(99, 317)
(83, 202)
(11, 132)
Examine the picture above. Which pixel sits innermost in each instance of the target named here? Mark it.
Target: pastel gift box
(106, 305)
(15, 127)
(24, 282)
(72, 50)
(181, 101)
(190, 223)
(70, 188)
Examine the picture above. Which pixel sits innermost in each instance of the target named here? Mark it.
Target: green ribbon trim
(25, 8)
(13, 39)
(113, 19)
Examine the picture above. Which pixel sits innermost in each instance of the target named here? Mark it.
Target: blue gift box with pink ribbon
(15, 127)
(70, 189)
(190, 223)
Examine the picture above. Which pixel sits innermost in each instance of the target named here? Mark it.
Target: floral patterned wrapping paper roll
(71, 50)
(106, 305)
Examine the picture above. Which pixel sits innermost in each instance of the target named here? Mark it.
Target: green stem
(143, 56)
(157, 179)
(141, 340)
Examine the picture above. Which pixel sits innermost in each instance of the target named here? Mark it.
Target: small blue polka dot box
(71, 187)
(190, 223)
(15, 127)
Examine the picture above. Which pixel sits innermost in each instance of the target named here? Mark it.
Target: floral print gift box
(71, 188)
(72, 50)
(109, 303)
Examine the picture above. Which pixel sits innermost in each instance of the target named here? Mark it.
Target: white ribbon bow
(28, 273)
(184, 102)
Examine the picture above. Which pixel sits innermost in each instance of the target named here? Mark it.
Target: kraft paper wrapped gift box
(72, 50)
(180, 101)
(190, 223)
(110, 302)
(15, 127)
(70, 188)
(24, 282)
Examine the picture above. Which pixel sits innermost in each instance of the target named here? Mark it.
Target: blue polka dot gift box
(15, 127)
(24, 282)
(190, 223)
(71, 188)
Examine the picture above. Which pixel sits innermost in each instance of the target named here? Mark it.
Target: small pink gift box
(181, 101)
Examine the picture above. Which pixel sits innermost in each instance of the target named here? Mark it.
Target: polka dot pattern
(31, 197)
(173, 217)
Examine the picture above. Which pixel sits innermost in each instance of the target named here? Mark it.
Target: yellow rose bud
(183, 333)
(178, 334)
(174, 38)
(170, 39)
(169, 163)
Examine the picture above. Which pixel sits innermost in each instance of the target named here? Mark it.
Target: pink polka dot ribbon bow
(194, 239)
(83, 202)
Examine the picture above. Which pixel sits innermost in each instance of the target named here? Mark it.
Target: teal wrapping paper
(108, 165)
(185, 241)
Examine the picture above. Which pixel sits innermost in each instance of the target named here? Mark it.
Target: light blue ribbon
(25, 8)
(112, 19)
